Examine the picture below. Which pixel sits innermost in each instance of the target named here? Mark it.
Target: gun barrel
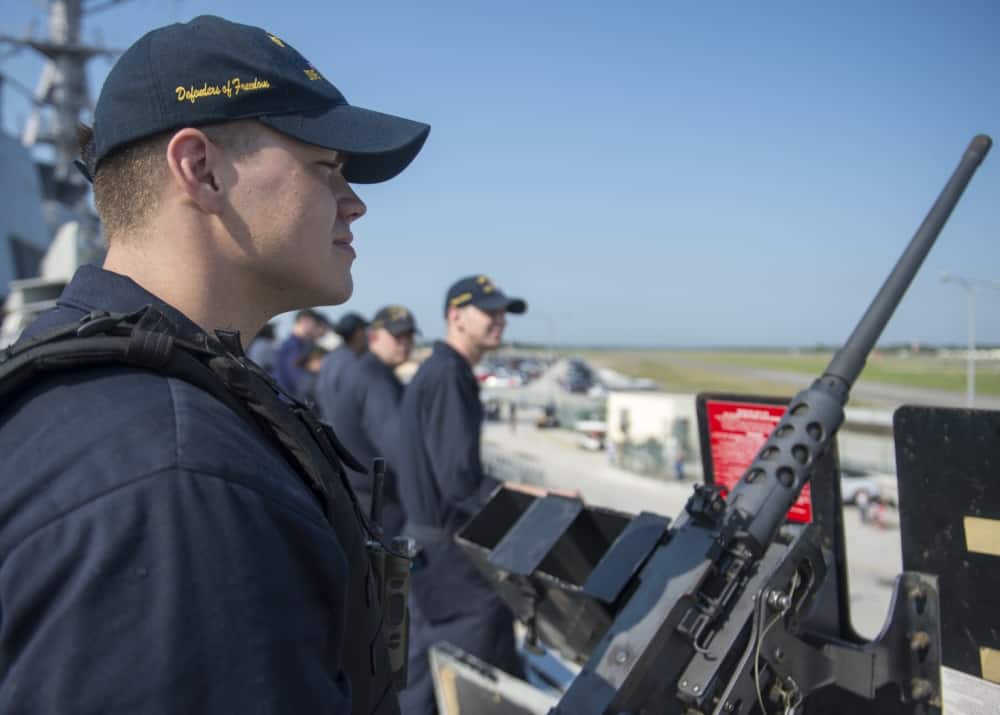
(782, 467)
(850, 360)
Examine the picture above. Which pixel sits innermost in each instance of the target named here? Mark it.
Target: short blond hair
(129, 180)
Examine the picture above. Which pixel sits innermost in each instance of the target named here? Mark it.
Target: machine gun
(709, 614)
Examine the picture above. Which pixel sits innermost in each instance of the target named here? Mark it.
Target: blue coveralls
(442, 484)
(287, 373)
(330, 372)
(364, 413)
(157, 555)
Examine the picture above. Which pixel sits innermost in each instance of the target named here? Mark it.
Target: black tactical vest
(147, 340)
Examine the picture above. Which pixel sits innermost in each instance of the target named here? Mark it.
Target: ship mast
(62, 98)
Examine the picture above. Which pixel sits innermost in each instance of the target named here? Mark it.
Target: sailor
(442, 484)
(352, 329)
(263, 348)
(310, 362)
(162, 550)
(365, 412)
(308, 327)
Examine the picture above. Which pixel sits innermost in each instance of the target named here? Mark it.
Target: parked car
(860, 485)
(592, 434)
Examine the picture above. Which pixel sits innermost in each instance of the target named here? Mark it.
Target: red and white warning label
(737, 431)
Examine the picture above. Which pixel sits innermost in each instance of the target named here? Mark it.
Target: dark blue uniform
(441, 485)
(287, 372)
(156, 554)
(365, 415)
(328, 381)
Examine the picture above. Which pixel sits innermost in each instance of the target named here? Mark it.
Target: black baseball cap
(211, 70)
(348, 324)
(481, 292)
(313, 314)
(396, 319)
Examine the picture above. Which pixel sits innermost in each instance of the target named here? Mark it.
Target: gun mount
(711, 613)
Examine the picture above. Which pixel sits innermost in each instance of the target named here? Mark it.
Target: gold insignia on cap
(276, 40)
(459, 299)
(398, 312)
(486, 283)
(312, 74)
(232, 87)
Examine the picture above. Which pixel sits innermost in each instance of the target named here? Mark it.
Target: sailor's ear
(194, 164)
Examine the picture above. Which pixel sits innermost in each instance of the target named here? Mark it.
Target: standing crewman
(365, 410)
(310, 363)
(442, 484)
(175, 536)
(263, 348)
(308, 327)
(353, 332)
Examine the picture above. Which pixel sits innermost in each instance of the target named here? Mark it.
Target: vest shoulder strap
(147, 339)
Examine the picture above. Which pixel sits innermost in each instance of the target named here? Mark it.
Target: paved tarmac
(553, 459)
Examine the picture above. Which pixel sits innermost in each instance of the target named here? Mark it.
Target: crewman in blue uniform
(159, 553)
(308, 327)
(442, 484)
(353, 332)
(365, 410)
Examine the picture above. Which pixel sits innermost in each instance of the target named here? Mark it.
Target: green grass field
(684, 371)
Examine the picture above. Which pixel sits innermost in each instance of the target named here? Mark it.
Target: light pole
(970, 285)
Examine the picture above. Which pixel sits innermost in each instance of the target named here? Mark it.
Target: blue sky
(654, 173)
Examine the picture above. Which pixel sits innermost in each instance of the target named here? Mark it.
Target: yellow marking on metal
(989, 662)
(449, 691)
(982, 536)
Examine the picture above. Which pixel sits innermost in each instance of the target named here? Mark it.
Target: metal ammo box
(561, 566)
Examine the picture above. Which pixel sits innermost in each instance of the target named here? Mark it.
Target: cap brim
(380, 145)
(499, 300)
(396, 332)
(517, 305)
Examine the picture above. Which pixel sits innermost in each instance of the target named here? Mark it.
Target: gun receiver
(718, 585)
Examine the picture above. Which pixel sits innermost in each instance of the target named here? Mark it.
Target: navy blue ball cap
(483, 293)
(349, 324)
(211, 70)
(396, 319)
